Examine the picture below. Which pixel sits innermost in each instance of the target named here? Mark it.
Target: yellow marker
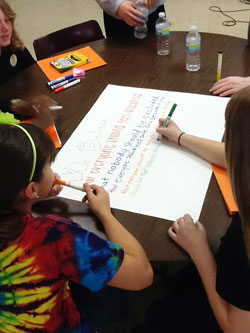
(219, 66)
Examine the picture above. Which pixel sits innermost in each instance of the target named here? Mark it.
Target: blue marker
(50, 83)
(167, 120)
(62, 83)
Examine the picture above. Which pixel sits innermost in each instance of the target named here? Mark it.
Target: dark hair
(237, 141)
(16, 160)
(15, 40)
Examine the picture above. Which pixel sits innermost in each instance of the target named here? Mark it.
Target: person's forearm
(116, 233)
(212, 151)
(206, 266)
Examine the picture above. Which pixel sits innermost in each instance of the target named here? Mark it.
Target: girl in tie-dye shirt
(39, 255)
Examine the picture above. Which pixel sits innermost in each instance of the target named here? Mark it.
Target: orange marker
(63, 182)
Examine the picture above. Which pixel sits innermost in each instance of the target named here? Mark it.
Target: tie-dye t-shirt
(34, 274)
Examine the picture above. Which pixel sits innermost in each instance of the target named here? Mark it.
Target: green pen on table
(167, 119)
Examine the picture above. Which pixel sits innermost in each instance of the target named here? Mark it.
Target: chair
(66, 38)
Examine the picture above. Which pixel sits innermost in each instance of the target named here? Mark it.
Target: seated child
(40, 255)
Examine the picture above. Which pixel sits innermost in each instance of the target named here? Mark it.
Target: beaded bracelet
(179, 138)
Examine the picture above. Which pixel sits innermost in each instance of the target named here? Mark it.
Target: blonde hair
(15, 40)
(237, 139)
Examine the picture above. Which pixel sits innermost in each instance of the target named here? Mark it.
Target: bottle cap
(162, 14)
(193, 28)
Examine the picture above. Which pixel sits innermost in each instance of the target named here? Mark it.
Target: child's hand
(97, 199)
(128, 13)
(56, 188)
(189, 235)
(43, 115)
(171, 132)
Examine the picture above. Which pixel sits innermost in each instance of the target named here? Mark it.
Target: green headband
(33, 149)
(8, 119)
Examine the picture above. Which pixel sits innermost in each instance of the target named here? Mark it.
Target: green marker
(167, 120)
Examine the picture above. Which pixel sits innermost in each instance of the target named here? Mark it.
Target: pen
(62, 83)
(56, 107)
(65, 183)
(167, 119)
(60, 79)
(219, 66)
(67, 85)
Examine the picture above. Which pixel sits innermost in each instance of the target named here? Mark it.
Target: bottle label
(162, 32)
(193, 47)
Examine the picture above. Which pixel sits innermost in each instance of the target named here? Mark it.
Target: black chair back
(66, 38)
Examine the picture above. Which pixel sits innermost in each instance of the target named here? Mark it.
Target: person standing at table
(40, 255)
(226, 279)
(121, 16)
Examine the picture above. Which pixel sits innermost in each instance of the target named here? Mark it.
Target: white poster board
(116, 147)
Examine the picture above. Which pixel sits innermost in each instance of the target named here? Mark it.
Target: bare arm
(192, 238)
(212, 151)
(135, 272)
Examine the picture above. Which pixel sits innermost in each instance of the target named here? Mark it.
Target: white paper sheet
(116, 146)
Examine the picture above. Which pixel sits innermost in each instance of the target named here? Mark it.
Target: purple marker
(50, 83)
(62, 83)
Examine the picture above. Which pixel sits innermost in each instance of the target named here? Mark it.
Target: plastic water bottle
(162, 34)
(193, 46)
(141, 31)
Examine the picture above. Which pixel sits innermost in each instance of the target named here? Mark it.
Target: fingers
(56, 189)
(133, 19)
(56, 175)
(172, 234)
(224, 90)
(160, 130)
(87, 189)
(161, 121)
(181, 222)
(127, 11)
(228, 93)
(225, 87)
(91, 191)
(138, 13)
(199, 225)
(188, 218)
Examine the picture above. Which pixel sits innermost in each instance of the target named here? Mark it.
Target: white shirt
(111, 6)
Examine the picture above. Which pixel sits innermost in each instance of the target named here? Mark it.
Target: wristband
(179, 138)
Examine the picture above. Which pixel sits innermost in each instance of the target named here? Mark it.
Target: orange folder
(53, 74)
(223, 181)
(51, 131)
